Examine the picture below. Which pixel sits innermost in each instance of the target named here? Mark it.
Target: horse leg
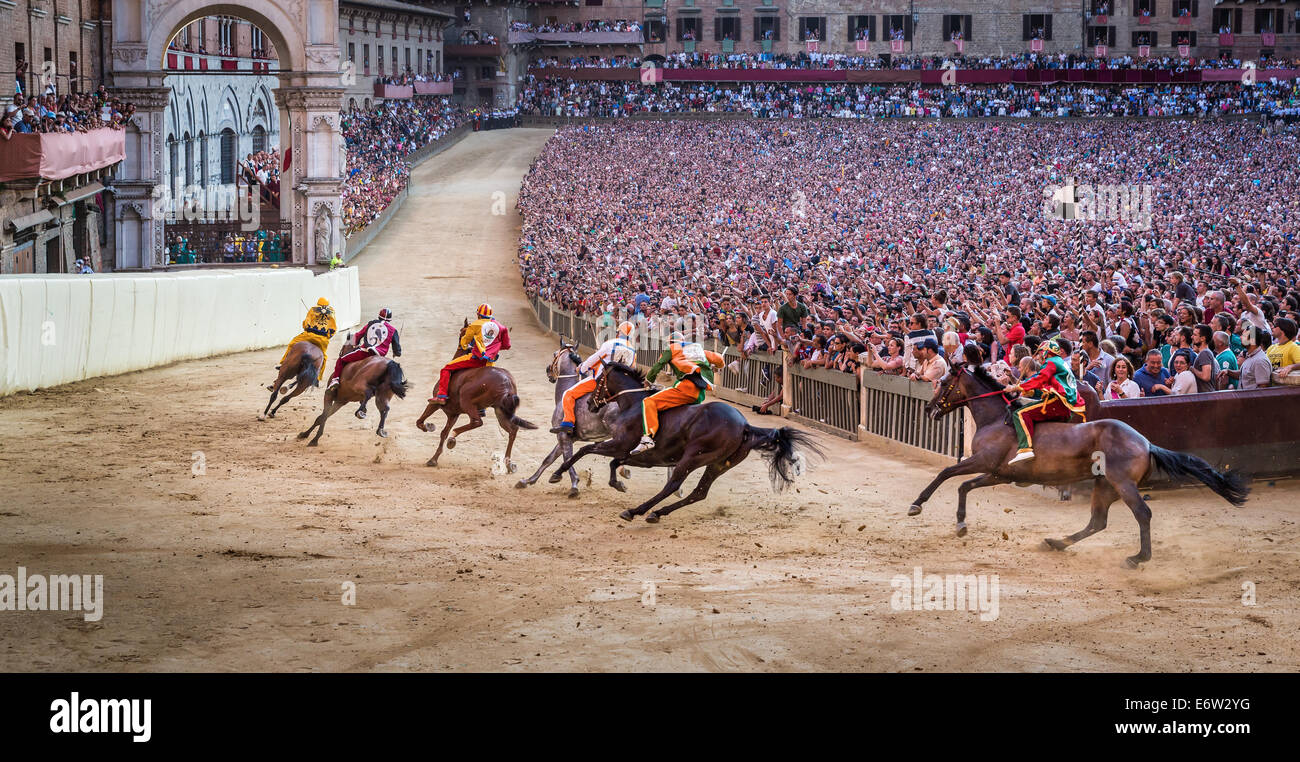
(567, 446)
(428, 411)
(381, 402)
(330, 409)
(361, 411)
(550, 458)
(292, 393)
(680, 472)
(700, 492)
(681, 488)
(446, 429)
(599, 448)
(511, 429)
(987, 480)
(1103, 494)
(1129, 491)
(267, 412)
(613, 475)
(967, 466)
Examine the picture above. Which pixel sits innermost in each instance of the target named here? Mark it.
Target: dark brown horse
(471, 392)
(375, 376)
(713, 436)
(1109, 453)
(302, 363)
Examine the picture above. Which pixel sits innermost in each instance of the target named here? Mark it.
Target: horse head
(962, 384)
(556, 369)
(614, 381)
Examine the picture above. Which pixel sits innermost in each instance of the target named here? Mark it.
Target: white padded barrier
(55, 329)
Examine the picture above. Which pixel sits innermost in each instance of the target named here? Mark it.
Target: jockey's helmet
(1053, 347)
(677, 337)
(485, 310)
(322, 302)
(626, 329)
(385, 314)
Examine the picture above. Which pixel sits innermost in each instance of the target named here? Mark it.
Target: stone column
(309, 190)
(138, 224)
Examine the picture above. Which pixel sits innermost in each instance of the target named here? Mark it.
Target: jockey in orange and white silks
(480, 346)
(619, 349)
(374, 339)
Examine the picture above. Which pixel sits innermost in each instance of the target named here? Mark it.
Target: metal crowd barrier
(825, 399)
(894, 407)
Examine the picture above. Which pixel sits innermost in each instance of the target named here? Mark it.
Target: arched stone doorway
(304, 32)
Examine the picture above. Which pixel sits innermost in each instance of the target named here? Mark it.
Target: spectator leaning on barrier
(1284, 352)
(1256, 371)
(1152, 378)
(1120, 384)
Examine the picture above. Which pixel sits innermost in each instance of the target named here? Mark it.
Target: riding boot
(564, 428)
(646, 443)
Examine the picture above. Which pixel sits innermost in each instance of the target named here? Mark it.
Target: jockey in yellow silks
(480, 345)
(318, 328)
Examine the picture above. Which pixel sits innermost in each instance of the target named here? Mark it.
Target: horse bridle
(600, 396)
(943, 404)
(553, 368)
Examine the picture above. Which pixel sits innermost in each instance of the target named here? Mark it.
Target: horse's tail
(308, 371)
(782, 449)
(1181, 466)
(509, 406)
(397, 380)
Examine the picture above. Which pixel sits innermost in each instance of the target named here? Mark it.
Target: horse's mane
(982, 374)
(627, 369)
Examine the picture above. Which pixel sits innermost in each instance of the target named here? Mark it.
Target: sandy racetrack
(241, 567)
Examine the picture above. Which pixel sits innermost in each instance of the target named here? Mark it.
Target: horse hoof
(381, 432)
(521, 484)
(626, 515)
(914, 510)
(652, 518)
(1054, 544)
(620, 486)
(432, 462)
(312, 443)
(625, 472)
(427, 427)
(361, 414)
(511, 468)
(451, 443)
(573, 492)
(303, 435)
(554, 479)
(1132, 562)
(261, 416)
(961, 529)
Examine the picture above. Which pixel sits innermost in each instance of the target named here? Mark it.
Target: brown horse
(1109, 453)
(471, 392)
(303, 363)
(375, 376)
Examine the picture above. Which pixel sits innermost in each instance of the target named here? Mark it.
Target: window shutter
(967, 28)
(1025, 18)
(1048, 33)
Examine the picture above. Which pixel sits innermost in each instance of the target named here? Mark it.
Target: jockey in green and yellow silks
(692, 366)
(1058, 400)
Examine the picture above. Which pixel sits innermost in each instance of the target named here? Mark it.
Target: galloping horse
(713, 435)
(375, 376)
(473, 390)
(1110, 453)
(302, 363)
(590, 427)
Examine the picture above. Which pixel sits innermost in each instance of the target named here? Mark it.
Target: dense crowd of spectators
(409, 77)
(262, 168)
(76, 112)
(378, 142)
(594, 25)
(804, 60)
(904, 246)
(550, 96)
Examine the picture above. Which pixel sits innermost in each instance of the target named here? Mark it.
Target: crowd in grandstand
(76, 112)
(409, 77)
(378, 141)
(903, 246)
(262, 168)
(549, 96)
(593, 25)
(804, 60)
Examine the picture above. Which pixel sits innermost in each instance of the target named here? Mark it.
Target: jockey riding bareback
(618, 349)
(372, 340)
(480, 345)
(692, 365)
(1058, 401)
(318, 328)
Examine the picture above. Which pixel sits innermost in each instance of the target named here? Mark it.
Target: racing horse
(302, 364)
(375, 376)
(712, 436)
(471, 392)
(1110, 453)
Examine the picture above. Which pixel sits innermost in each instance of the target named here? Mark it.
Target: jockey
(480, 346)
(618, 349)
(374, 339)
(692, 365)
(318, 328)
(1059, 400)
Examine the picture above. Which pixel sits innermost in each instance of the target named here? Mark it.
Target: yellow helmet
(322, 302)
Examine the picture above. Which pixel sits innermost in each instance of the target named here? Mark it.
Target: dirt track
(241, 568)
